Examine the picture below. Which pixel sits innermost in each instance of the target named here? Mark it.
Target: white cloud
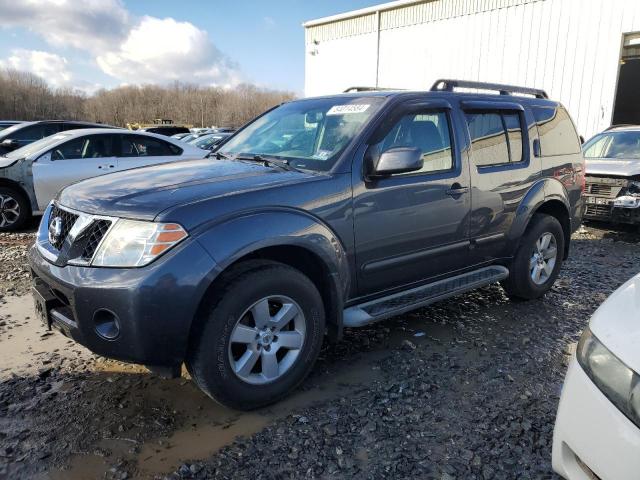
(51, 67)
(91, 25)
(133, 51)
(160, 50)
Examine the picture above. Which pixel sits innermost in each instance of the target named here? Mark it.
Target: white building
(585, 53)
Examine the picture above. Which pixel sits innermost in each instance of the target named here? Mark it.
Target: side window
(35, 132)
(140, 146)
(557, 134)
(95, 146)
(428, 131)
(496, 138)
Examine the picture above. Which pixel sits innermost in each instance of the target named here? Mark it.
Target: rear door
(502, 171)
(141, 150)
(413, 226)
(72, 161)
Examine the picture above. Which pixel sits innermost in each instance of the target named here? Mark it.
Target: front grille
(598, 211)
(68, 220)
(599, 189)
(94, 236)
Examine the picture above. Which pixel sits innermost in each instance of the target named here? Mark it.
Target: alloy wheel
(9, 210)
(267, 340)
(543, 258)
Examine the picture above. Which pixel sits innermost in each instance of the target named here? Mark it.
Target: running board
(402, 302)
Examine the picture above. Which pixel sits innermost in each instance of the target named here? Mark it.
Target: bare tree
(25, 96)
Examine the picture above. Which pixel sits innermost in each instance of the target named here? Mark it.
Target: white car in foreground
(597, 431)
(31, 176)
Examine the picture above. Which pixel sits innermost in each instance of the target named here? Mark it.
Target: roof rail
(367, 89)
(448, 86)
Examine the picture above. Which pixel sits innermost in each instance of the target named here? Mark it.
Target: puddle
(204, 427)
(28, 342)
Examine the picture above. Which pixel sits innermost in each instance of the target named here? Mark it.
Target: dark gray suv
(321, 214)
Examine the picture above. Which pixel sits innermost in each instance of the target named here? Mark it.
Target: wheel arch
(290, 238)
(7, 182)
(548, 197)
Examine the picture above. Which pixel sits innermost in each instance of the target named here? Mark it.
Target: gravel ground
(467, 388)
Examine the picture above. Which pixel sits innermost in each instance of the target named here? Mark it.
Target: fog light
(107, 325)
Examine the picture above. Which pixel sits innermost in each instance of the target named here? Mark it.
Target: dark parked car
(168, 130)
(8, 123)
(321, 214)
(210, 141)
(24, 133)
(613, 175)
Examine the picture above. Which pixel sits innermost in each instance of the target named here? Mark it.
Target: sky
(93, 44)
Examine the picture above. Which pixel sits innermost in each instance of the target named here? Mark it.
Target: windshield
(615, 145)
(35, 146)
(309, 134)
(207, 141)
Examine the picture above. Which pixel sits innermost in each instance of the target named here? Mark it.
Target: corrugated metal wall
(571, 48)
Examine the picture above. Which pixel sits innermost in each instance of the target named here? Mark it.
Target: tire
(215, 362)
(521, 283)
(15, 209)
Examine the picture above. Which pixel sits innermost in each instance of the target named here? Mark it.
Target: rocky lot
(467, 388)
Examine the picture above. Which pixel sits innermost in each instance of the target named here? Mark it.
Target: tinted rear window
(557, 134)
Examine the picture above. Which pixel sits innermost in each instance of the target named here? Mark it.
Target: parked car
(597, 430)
(179, 136)
(223, 130)
(31, 176)
(8, 123)
(210, 141)
(201, 130)
(24, 133)
(613, 175)
(166, 130)
(322, 213)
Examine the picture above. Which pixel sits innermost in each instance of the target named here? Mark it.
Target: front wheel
(537, 262)
(15, 210)
(262, 332)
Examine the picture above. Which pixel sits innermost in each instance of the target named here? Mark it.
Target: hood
(143, 193)
(617, 323)
(613, 167)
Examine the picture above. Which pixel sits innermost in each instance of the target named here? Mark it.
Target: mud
(464, 389)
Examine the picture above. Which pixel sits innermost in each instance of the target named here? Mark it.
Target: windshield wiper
(266, 161)
(219, 156)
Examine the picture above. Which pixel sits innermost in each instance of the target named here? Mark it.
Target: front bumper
(592, 439)
(154, 305)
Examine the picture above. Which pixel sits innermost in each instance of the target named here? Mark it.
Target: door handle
(106, 166)
(456, 190)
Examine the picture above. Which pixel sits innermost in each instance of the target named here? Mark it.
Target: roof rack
(448, 86)
(367, 89)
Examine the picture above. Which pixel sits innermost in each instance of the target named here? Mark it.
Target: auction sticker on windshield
(347, 109)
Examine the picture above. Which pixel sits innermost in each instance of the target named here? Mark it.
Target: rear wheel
(15, 210)
(261, 335)
(537, 262)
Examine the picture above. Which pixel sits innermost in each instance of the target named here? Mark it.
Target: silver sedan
(31, 176)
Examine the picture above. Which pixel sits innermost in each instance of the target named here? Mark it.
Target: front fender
(543, 191)
(229, 241)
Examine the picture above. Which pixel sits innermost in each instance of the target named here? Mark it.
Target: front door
(78, 159)
(414, 226)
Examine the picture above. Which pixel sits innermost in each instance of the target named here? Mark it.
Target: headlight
(619, 383)
(133, 243)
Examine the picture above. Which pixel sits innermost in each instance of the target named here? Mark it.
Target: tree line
(25, 96)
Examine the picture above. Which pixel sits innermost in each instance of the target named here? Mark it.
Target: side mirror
(398, 160)
(536, 148)
(10, 144)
